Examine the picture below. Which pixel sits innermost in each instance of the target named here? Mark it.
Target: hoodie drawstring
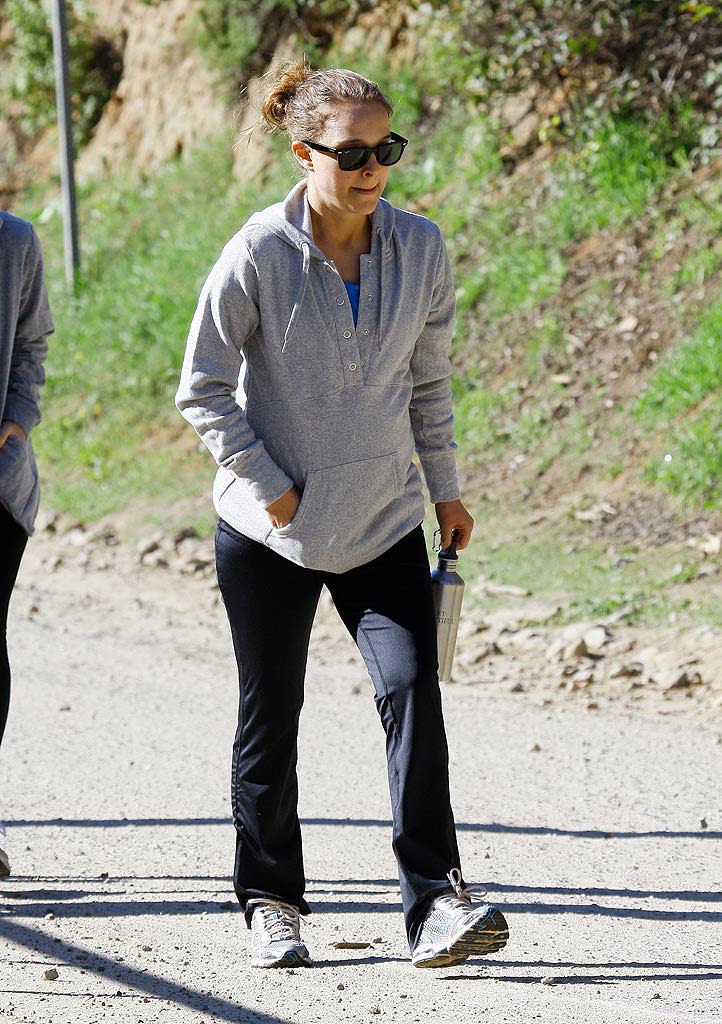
(306, 251)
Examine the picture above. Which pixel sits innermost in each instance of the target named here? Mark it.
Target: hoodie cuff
(271, 485)
(25, 414)
(440, 476)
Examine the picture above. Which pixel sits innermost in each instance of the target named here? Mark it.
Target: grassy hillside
(587, 351)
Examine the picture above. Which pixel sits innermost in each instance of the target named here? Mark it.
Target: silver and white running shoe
(276, 935)
(454, 929)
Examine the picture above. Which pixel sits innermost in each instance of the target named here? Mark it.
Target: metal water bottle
(448, 590)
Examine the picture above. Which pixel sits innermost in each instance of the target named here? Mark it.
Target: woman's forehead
(362, 123)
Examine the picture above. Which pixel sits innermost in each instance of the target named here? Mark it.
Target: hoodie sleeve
(432, 420)
(27, 375)
(224, 321)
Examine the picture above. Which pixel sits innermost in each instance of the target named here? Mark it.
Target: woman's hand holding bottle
(454, 522)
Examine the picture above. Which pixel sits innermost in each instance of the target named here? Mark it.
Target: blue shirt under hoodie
(285, 388)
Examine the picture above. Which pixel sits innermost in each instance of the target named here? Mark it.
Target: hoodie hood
(291, 221)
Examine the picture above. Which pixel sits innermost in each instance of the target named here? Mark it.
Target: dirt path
(598, 832)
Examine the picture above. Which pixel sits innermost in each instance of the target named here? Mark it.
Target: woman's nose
(372, 165)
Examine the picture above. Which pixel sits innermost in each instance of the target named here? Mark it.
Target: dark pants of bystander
(12, 545)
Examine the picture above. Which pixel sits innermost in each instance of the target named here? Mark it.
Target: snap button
(347, 334)
(352, 366)
(340, 302)
(366, 331)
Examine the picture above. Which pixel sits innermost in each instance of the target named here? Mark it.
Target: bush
(233, 32)
(29, 82)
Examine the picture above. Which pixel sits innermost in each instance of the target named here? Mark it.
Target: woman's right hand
(283, 509)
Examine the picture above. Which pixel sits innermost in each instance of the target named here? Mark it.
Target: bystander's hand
(9, 429)
(283, 509)
(455, 523)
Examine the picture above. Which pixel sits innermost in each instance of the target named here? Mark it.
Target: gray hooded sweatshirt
(285, 389)
(24, 322)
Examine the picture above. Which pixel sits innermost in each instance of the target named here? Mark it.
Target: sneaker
(276, 935)
(454, 929)
(4, 864)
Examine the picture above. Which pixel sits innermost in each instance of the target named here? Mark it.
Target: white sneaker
(4, 864)
(454, 929)
(276, 935)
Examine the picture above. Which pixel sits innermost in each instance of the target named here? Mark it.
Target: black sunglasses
(352, 158)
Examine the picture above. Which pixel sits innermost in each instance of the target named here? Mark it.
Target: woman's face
(352, 192)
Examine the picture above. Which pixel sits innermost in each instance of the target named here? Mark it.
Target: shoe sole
(489, 936)
(287, 960)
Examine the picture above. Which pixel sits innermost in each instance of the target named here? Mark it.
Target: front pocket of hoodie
(340, 511)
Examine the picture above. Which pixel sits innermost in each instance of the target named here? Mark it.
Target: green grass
(691, 467)
(692, 371)
(561, 565)
(682, 406)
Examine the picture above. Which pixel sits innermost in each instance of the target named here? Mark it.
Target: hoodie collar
(291, 221)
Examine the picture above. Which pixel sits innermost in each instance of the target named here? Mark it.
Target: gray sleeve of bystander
(29, 350)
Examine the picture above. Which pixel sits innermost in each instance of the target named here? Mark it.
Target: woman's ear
(303, 154)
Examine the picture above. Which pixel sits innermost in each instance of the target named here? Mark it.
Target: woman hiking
(316, 366)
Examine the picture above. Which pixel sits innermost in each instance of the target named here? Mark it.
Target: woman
(24, 322)
(336, 310)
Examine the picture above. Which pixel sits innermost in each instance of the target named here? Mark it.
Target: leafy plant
(232, 32)
(28, 85)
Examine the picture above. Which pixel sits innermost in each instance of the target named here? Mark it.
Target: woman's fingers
(455, 523)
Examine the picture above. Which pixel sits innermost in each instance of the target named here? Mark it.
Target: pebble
(548, 981)
(51, 974)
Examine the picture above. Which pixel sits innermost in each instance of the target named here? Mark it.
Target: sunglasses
(352, 158)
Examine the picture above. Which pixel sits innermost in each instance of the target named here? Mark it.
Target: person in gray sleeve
(316, 367)
(24, 322)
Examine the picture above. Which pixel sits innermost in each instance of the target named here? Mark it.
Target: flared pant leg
(271, 603)
(387, 606)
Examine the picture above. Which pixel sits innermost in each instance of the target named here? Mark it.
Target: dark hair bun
(275, 108)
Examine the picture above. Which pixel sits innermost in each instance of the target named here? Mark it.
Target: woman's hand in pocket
(11, 429)
(283, 509)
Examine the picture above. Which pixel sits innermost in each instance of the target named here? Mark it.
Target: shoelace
(279, 920)
(460, 903)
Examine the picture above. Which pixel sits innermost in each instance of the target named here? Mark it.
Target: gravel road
(598, 833)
